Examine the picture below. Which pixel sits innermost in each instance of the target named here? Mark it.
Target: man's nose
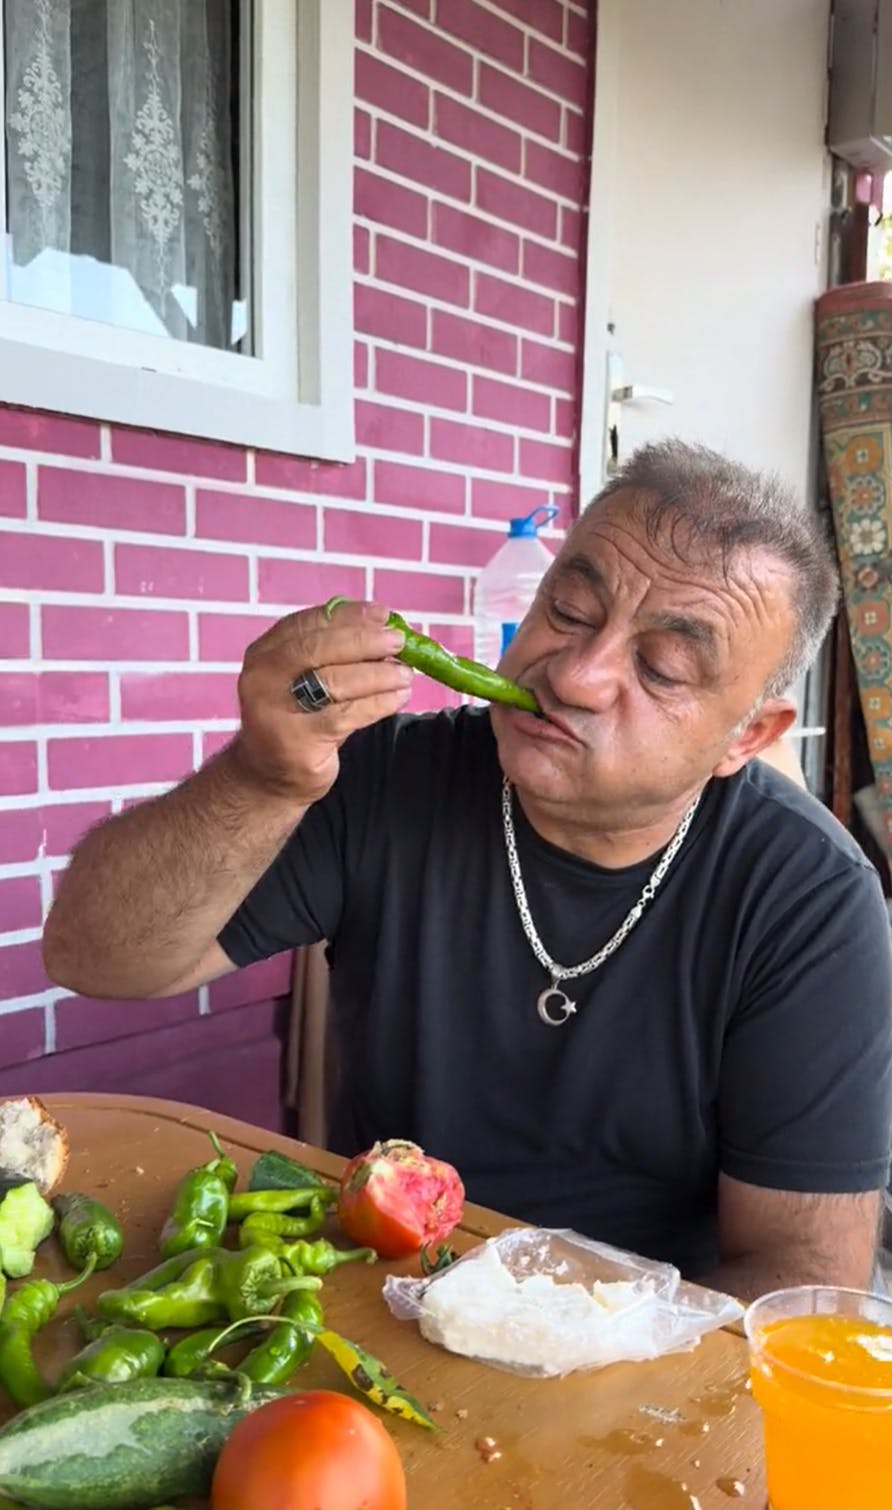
(589, 672)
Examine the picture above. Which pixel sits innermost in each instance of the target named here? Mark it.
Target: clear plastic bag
(527, 1306)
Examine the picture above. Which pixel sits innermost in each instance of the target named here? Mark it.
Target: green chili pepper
(272, 1362)
(434, 660)
(223, 1165)
(201, 1205)
(366, 1372)
(87, 1228)
(287, 1347)
(248, 1201)
(219, 1283)
(90, 1327)
(24, 1313)
(265, 1228)
(322, 1256)
(191, 1300)
(117, 1354)
(251, 1282)
(192, 1354)
(164, 1273)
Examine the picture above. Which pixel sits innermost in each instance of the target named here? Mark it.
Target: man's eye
(651, 674)
(566, 615)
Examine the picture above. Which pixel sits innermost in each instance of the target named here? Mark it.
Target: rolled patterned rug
(854, 378)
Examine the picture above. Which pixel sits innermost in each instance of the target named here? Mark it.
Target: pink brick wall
(135, 567)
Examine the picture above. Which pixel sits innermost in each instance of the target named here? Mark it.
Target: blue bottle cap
(532, 523)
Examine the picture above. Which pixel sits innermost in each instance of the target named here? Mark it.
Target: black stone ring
(310, 692)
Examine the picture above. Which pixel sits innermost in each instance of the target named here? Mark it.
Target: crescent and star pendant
(564, 1008)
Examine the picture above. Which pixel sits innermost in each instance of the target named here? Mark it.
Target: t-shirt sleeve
(805, 1100)
(300, 899)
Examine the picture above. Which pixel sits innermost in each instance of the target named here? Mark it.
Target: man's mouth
(546, 718)
(561, 723)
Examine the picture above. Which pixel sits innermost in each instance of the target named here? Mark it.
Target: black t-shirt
(745, 1025)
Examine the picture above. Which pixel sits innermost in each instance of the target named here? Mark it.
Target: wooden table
(680, 1433)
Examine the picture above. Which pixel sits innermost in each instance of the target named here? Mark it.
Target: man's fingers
(349, 684)
(309, 624)
(308, 649)
(344, 646)
(364, 711)
(353, 655)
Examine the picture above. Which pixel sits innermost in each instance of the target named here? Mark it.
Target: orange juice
(824, 1383)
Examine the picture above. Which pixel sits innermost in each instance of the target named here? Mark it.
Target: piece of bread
(33, 1145)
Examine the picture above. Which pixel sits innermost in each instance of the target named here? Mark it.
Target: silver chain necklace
(564, 1006)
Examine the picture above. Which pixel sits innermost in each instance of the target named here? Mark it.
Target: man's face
(647, 658)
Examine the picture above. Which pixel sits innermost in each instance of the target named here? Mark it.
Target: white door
(709, 208)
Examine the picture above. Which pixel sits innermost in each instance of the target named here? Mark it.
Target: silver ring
(310, 692)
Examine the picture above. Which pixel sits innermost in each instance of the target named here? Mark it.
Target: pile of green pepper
(202, 1286)
(264, 1290)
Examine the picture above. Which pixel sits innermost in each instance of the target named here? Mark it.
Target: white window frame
(296, 394)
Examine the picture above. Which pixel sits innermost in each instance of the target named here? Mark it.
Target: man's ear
(768, 724)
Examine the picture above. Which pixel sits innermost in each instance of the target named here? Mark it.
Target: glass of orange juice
(821, 1370)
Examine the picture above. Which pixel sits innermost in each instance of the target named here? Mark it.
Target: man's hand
(292, 753)
(771, 1239)
(140, 907)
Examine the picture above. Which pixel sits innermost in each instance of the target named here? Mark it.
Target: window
(176, 199)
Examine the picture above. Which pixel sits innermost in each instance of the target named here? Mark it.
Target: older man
(625, 976)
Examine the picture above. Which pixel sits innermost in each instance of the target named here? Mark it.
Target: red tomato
(396, 1199)
(313, 1451)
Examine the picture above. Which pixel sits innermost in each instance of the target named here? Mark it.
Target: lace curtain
(120, 183)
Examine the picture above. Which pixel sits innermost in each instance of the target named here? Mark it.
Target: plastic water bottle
(508, 584)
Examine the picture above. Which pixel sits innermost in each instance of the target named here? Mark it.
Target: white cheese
(480, 1309)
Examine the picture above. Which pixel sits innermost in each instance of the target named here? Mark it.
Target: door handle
(632, 393)
(619, 392)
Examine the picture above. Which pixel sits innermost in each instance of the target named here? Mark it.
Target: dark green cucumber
(123, 1446)
(275, 1171)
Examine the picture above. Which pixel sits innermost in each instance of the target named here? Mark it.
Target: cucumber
(123, 1446)
(275, 1171)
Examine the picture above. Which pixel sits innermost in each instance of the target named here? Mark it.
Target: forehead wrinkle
(691, 627)
(745, 584)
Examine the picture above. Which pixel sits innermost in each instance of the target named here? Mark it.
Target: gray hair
(723, 505)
